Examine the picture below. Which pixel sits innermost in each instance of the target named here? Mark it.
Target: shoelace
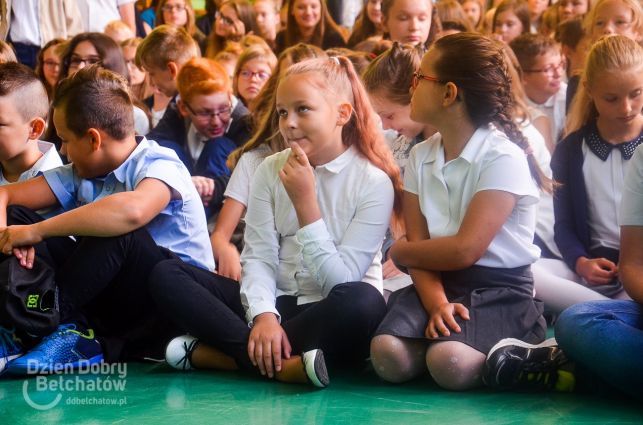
(185, 361)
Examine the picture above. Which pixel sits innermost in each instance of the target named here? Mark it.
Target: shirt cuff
(259, 309)
(315, 231)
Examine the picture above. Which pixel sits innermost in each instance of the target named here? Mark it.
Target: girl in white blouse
(471, 194)
(311, 271)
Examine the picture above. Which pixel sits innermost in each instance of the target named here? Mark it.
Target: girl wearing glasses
(254, 67)
(470, 228)
(234, 19)
(48, 65)
(180, 14)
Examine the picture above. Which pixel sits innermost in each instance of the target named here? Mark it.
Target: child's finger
(300, 155)
(251, 351)
(452, 323)
(462, 311)
(31, 256)
(259, 358)
(276, 355)
(286, 348)
(267, 358)
(441, 327)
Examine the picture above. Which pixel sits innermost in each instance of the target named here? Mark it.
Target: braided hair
(484, 77)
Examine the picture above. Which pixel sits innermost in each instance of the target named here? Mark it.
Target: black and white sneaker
(178, 352)
(517, 365)
(315, 367)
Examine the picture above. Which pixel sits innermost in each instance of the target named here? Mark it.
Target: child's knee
(392, 360)
(455, 366)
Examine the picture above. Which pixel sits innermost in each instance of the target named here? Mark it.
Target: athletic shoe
(66, 349)
(10, 348)
(516, 365)
(178, 352)
(315, 367)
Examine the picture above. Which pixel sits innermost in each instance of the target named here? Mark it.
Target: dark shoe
(515, 365)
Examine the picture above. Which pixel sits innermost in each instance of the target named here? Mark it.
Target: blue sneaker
(10, 348)
(64, 350)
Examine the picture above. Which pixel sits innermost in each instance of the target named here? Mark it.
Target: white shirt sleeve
(347, 261)
(632, 200)
(411, 170)
(260, 256)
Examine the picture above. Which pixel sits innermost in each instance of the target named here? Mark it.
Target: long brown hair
(190, 25)
(326, 23)
(483, 76)
(363, 28)
(245, 13)
(362, 130)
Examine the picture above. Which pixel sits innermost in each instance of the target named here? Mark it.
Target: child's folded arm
(113, 215)
(34, 194)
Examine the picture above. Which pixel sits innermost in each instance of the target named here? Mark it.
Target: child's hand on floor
(596, 271)
(442, 318)
(267, 344)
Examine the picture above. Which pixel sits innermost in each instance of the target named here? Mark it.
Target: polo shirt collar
(121, 172)
(338, 164)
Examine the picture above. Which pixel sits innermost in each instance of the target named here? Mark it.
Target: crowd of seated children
(514, 177)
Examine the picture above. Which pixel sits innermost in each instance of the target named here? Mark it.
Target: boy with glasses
(543, 69)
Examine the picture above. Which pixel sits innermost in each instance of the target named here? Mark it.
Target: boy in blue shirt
(129, 203)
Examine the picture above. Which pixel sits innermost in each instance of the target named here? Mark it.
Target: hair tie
(335, 59)
(372, 55)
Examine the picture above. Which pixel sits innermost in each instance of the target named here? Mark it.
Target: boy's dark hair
(28, 94)
(98, 98)
(528, 47)
(570, 33)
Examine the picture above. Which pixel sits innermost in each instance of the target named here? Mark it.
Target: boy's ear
(37, 128)
(173, 67)
(182, 109)
(345, 112)
(95, 139)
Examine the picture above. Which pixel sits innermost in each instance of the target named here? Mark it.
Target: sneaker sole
(25, 370)
(316, 369)
(551, 342)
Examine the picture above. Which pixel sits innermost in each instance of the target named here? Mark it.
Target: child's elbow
(467, 257)
(136, 217)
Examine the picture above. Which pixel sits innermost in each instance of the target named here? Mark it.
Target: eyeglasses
(223, 114)
(224, 19)
(51, 63)
(417, 76)
(247, 75)
(75, 61)
(173, 7)
(550, 69)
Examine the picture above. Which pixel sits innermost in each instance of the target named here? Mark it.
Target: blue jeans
(606, 338)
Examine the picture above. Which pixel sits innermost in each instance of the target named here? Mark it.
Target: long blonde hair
(611, 53)
(637, 16)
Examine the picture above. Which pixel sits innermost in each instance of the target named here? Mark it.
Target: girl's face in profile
(136, 75)
(395, 116)
(409, 21)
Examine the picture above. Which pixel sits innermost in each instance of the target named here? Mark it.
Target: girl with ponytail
(311, 279)
(470, 201)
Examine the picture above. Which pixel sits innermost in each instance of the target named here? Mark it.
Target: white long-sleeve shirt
(355, 199)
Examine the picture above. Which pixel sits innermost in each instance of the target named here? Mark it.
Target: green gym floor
(156, 394)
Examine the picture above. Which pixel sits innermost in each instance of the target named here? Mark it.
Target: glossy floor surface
(155, 394)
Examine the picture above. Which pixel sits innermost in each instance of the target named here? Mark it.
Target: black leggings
(102, 285)
(208, 306)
